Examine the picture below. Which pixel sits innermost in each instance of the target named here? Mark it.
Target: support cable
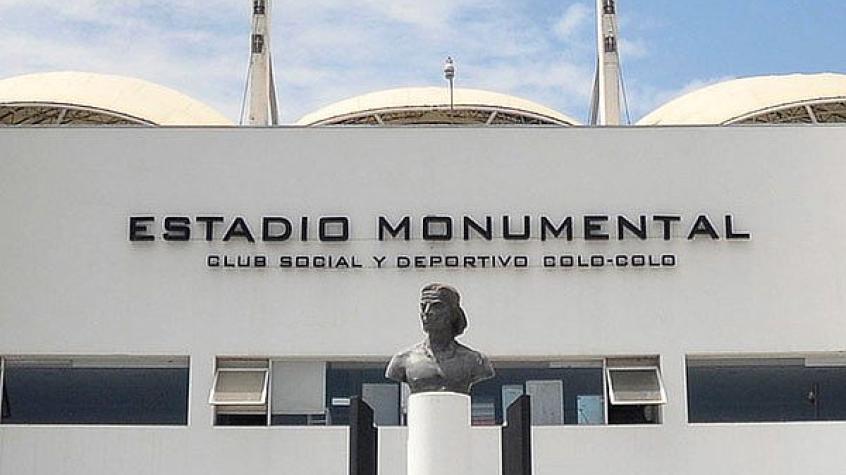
(247, 81)
(625, 96)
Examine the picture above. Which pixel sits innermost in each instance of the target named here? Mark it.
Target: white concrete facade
(73, 283)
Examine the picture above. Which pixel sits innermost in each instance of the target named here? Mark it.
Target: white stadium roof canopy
(794, 98)
(431, 105)
(77, 98)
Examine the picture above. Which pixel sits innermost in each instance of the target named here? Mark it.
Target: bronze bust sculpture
(439, 363)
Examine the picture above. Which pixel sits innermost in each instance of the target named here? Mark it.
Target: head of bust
(440, 309)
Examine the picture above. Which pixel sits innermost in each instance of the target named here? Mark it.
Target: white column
(438, 434)
(608, 66)
(261, 88)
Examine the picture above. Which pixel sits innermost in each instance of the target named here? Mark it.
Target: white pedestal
(438, 434)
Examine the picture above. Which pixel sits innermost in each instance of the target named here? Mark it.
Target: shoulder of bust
(396, 367)
(482, 365)
(466, 351)
(418, 348)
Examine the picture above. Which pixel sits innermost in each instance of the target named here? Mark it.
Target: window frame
(612, 398)
(253, 404)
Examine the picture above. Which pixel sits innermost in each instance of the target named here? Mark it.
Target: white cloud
(168, 44)
(324, 50)
(575, 19)
(427, 14)
(374, 45)
(633, 49)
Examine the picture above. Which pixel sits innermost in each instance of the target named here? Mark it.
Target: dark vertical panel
(4, 407)
(517, 438)
(363, 438)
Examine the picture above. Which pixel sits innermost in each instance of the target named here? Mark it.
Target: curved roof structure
(431, 106)
(795, 98)
(96, 99)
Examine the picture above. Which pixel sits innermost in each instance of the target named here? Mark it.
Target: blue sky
(328, 50)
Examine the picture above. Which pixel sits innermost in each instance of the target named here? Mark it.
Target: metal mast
(606, 93)
(263, 108)
(449, 75)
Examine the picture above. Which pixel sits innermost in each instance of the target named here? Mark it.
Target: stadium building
(183, 295)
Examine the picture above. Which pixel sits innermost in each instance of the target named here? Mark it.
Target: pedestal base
(438, 434)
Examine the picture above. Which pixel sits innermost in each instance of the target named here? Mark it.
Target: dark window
(610, 44)
(289, 420)
(258, 7)
(241, 420)
(258, 44)
(239, 392)
(608, 7)
(765, 391)
(344, 381)
(44, 394)
(634, 395)
(559, 395)
(633, 414)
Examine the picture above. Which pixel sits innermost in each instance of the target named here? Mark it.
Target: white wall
(73, 283)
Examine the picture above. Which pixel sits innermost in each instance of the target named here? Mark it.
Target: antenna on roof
(605, 105)
(262, 106)
(449, 74)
